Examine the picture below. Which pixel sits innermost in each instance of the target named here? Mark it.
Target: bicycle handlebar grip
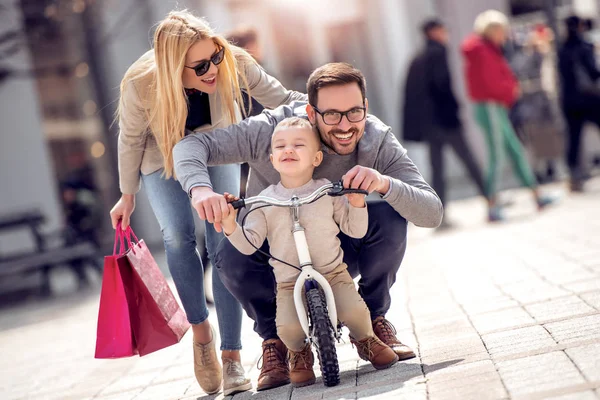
(339, 191)
(238, 204)
(359, 191)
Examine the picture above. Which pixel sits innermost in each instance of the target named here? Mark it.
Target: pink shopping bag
(157, 320)
(114, 337)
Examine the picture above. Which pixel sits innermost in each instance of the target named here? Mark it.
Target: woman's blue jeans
(171, 206)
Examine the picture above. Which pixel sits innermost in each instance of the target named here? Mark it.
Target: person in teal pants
(493, 89)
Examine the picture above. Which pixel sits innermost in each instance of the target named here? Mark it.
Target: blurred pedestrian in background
(81, 201)
(83, 212)
(431, 111)
(588, 28)
(534, 115)
(580, 93)
(493, 89)
(83, 215)
(246, 37)
(191, 80)
(592, 35)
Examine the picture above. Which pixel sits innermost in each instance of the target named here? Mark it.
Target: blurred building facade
(59, 88)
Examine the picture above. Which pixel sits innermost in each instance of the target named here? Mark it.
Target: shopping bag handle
(128, 233)
(122, 236)
(119, 239)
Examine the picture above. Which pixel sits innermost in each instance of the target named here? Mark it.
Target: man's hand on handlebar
(210, 206)
(368, 179)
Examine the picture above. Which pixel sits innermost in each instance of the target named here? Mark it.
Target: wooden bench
(44, 257)
(31, 219)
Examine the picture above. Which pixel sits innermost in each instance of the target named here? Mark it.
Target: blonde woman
(192, 80)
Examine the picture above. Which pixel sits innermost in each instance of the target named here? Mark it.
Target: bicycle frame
(307, 272)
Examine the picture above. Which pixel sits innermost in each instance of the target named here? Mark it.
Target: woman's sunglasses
(203, 67)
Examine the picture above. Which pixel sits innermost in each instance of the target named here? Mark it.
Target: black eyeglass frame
(204, 65)
(342, 114)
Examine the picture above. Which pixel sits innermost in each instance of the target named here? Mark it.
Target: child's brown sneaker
(301, 367)
(374, 350)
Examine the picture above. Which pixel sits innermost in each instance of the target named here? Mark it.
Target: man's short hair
(334, 74)
(242, 37)
(430, 24)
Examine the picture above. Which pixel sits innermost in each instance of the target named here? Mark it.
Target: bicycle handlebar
(331, 189)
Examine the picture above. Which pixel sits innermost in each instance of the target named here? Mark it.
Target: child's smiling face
(295, 151)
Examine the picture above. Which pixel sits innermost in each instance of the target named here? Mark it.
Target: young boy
(295, 147)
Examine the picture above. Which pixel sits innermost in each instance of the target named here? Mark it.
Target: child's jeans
(351, 310)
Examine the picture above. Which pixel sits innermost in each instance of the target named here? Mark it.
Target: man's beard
(330, 141)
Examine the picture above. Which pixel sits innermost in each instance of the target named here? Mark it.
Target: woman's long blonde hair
(167, 103)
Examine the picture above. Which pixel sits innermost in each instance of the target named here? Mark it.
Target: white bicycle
(320, 323)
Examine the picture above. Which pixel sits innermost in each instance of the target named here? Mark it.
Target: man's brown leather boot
(274, 371)
(386, 332)
(301, 367)
(374, 350)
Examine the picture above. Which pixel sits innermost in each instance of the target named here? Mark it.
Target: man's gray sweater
(250, 141)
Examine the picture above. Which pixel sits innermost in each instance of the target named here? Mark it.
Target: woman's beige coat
(137, 148)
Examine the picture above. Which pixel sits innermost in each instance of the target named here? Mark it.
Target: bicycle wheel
(323, 336)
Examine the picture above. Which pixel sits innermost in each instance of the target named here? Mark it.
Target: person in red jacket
(494, 89)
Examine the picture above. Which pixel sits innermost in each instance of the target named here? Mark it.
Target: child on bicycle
(295, 147)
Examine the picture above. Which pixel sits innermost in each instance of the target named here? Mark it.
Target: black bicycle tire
(323, 334)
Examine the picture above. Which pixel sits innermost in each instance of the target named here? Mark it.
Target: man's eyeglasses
(203, 67)
(356, 114)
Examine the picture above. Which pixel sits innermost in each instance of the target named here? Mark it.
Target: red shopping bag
(157, 320)
(114, 338)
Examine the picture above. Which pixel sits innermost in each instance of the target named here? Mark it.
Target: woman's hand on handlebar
(122, 210)
(228, 222)
(209, 205)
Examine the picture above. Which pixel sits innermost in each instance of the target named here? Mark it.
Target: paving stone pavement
(507, 311)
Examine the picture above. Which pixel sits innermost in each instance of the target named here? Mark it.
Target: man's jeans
(376, 257)
(171, 206)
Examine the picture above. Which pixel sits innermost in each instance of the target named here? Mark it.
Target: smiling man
(356, 146)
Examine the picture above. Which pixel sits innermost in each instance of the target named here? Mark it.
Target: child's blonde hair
(295, 122)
